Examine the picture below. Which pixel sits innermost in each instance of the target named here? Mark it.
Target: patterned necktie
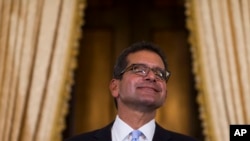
(135, 135)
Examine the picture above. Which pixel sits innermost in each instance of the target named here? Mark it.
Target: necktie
(135, 135)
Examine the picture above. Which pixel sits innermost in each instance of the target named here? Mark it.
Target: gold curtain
(220, 39)
(38, 45)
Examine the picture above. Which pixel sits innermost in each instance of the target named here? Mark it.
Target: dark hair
(122, 61)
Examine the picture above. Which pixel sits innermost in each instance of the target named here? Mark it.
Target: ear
(114, 87)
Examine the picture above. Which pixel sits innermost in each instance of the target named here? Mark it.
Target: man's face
(137, 91)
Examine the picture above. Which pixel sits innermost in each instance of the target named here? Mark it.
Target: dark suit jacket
(104, 134)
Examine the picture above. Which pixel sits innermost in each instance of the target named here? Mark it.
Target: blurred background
(56, 61)
(112, 25)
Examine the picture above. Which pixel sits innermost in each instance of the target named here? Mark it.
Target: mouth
(155, 89)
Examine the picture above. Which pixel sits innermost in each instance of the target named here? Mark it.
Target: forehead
(149, 58)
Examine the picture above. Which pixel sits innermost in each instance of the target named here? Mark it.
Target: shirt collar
(122, 129)
(148, 129)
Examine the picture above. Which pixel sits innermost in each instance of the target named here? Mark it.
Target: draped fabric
(220, 39)
(38, 45)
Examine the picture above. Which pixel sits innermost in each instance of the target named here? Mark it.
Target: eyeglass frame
(147, 69)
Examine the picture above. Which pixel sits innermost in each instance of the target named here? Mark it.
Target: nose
(150, 76)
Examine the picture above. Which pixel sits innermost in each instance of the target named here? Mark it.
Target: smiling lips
(154, 87)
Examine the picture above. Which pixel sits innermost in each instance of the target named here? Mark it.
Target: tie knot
(135, 135)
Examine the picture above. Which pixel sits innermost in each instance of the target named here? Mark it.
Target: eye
(139, 69)
(159, 73)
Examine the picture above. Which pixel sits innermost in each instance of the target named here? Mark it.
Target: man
(139, 88)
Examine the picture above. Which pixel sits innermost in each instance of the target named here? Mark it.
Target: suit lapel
(161, 134)
(104, 134)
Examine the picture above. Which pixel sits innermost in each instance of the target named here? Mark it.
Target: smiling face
(137, 91)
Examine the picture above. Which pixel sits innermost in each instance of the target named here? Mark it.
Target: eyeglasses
(143, 70)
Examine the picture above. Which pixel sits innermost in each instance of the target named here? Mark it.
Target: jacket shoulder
(95, 135)
(181, 137)
(83, 136)
(170, 135)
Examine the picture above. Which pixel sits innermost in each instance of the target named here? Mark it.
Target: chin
(152, 104)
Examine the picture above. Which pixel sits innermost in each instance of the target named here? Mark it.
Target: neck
(135, 119)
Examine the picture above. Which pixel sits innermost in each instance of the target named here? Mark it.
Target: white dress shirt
(121, 131)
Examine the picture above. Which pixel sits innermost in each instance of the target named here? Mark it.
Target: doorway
(109, 27)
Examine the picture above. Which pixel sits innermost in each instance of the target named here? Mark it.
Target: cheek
(127, 87)
(165, 91)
